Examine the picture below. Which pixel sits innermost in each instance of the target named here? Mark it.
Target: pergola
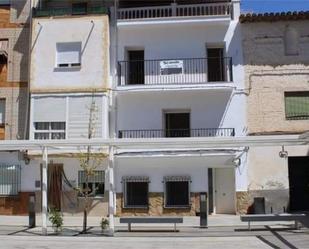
(154, 143)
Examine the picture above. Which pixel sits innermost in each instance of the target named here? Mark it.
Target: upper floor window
(68, 54)
(49, 130)
(2, 112)
(296, 105)
(291, 41)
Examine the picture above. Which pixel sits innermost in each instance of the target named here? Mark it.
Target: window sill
(136, 207)
(93, 197)
(178, 207)
(67, 69)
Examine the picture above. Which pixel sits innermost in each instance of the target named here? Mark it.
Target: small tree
(89, 161)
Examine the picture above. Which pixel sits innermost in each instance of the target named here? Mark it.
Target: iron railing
(159, 133)
(175, 10)
(175, 71)
(69, 11)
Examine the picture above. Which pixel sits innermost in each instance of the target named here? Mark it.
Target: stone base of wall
(15, 205)
(276, 201)
(156, 207)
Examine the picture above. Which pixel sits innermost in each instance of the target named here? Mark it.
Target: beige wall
(14, 75)
(269, 73)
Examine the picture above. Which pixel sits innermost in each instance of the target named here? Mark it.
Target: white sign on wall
(171, 67)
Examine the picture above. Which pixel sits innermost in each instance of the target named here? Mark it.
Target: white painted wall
(91, 31)
(76, 112)
(31, 173)
(182, 40)
(157, 168)
(209, 109)
(269, 171)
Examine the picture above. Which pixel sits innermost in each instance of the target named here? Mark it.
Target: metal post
(203, 210)
(31, 209)
(44, 190)
(110, 190)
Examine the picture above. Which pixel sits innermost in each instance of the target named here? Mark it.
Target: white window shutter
(49, 109)
(68, 53)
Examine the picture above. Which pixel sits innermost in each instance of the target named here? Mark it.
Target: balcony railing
(160, 133)
(175, 71)
(174, 10)
(68, 11)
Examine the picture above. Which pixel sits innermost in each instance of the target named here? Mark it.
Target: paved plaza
(224, 231)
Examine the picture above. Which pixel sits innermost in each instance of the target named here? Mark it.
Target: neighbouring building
(69, 78)
(276, 57)
(14, 50)
(179, 73)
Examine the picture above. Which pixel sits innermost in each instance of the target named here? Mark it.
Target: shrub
(55, 217)
(104, 223)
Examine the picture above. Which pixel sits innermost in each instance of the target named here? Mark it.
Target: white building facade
(69, 77)
(179, 74)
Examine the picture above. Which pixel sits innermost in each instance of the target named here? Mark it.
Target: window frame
(134, 179)
(64, 66)
(2, 124)
(295, 94)
(177, 179)
(50, 131)
(80, 184)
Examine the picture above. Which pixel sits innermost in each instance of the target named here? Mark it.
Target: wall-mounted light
(237, 162)
(283, 153)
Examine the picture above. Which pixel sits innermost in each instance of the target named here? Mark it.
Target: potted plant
(104, 224)
(55, 217)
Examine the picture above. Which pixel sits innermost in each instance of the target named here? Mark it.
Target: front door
(224, 190)
(54, 182)
(299, 183)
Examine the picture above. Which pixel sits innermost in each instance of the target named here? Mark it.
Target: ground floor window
(9, 179)
(95, 185)
(177, 191)
(136, 192)
(49, 130)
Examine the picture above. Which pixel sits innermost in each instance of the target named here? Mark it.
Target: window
(136, 192)
(2, 112)
(9, 179)
(68, 54)
(49, 130)
(95, 183)
(177, 193)
(296, 105)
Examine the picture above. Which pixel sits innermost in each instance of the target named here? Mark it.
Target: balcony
(174, 10)
(175, 71)
(161, 133)
(69, 11)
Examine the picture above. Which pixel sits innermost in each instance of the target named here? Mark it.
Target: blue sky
(260, 6)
